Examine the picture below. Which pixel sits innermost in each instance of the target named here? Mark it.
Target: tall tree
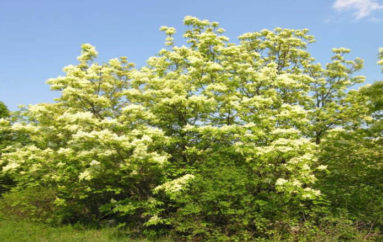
(211, 138)
(354, 158)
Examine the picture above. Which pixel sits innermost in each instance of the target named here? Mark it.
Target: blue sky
(40, 37)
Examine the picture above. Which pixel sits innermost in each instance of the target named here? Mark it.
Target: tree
(227, 108)
(4, 112)
(4, 141)
(92, 146)
(330, 91)
(222, 134)
(354, 158)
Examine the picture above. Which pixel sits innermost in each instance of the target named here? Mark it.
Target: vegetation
(16, 231)
(214, 140)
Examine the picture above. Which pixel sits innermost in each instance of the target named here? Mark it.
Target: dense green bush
(33, 204)
(354, 156)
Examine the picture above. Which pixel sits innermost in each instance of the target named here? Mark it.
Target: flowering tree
(209, 138)
(93, 145)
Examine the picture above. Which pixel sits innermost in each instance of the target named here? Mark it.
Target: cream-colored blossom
(10, 166)
(322, 167)
(175, 185)
(94, 163)
(85, 175)
(280, 182)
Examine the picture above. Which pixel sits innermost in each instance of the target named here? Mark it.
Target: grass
(17, 231)
(21, 231)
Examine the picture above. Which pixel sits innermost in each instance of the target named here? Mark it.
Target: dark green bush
(33, 204)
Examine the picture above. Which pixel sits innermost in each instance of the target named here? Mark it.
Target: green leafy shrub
(34, 204)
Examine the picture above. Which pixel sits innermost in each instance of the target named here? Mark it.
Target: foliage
(354, 156)
(15, 231)
(32, 204)
(209, 140)
(4, 112)
(6, 139)
(91, 146)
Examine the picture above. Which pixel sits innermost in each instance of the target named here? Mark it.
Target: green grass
(25, 231)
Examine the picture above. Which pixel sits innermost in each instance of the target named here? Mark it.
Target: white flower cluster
(175, 185)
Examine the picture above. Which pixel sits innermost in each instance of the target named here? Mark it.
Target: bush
(34, 204)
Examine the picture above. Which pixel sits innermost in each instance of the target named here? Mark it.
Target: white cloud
(362, 8)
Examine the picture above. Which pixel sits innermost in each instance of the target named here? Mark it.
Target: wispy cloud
(362, 8)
